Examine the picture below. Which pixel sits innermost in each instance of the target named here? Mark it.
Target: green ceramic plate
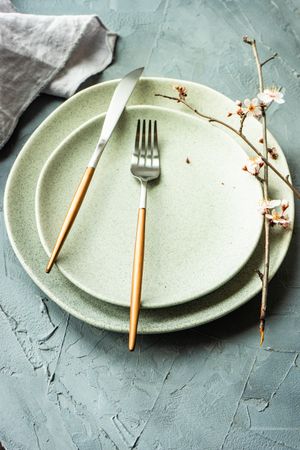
(190, 230)
(19, 207)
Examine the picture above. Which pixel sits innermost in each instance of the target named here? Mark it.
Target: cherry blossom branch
(256, 107)
(241, 135)
(267, 224)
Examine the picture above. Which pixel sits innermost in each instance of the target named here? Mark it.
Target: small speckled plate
(199, 215)
(19, 213)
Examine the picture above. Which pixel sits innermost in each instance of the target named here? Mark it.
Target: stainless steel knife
(118, 102)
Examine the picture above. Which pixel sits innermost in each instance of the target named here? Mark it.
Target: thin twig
(285, 179)
(265, 279)
(269, 59)
(259, 274)
(242, 123)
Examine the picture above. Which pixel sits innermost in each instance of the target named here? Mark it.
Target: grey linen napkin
(51, 54)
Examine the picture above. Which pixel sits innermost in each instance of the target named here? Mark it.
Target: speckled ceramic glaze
(20, 214)
(190, 230)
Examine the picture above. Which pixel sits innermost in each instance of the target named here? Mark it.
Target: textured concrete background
(65, 385)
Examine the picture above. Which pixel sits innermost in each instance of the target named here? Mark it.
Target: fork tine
(135, 154)
(142, 153)
(149, 135)
(155, 141)
(149, 146)
(137, 136)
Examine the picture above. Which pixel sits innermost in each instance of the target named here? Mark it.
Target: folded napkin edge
(41, 85)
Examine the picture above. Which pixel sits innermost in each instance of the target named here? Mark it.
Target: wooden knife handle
(137, 277)
(71, 215)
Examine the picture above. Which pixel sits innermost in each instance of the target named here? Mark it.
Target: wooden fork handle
(71, 215)
(137, 277)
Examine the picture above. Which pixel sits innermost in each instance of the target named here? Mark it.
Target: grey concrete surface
(65, 385)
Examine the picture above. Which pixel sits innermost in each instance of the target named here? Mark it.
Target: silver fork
(145, 167)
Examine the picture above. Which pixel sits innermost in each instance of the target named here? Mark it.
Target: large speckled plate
(190, 230)
(19, 210)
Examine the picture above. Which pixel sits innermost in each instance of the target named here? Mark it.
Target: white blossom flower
(253, 165)
(252, 107)
(278, 218)
(267, 205)
(271, 95)
(278, 215)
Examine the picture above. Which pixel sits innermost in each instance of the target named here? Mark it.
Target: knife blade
(117, 105)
